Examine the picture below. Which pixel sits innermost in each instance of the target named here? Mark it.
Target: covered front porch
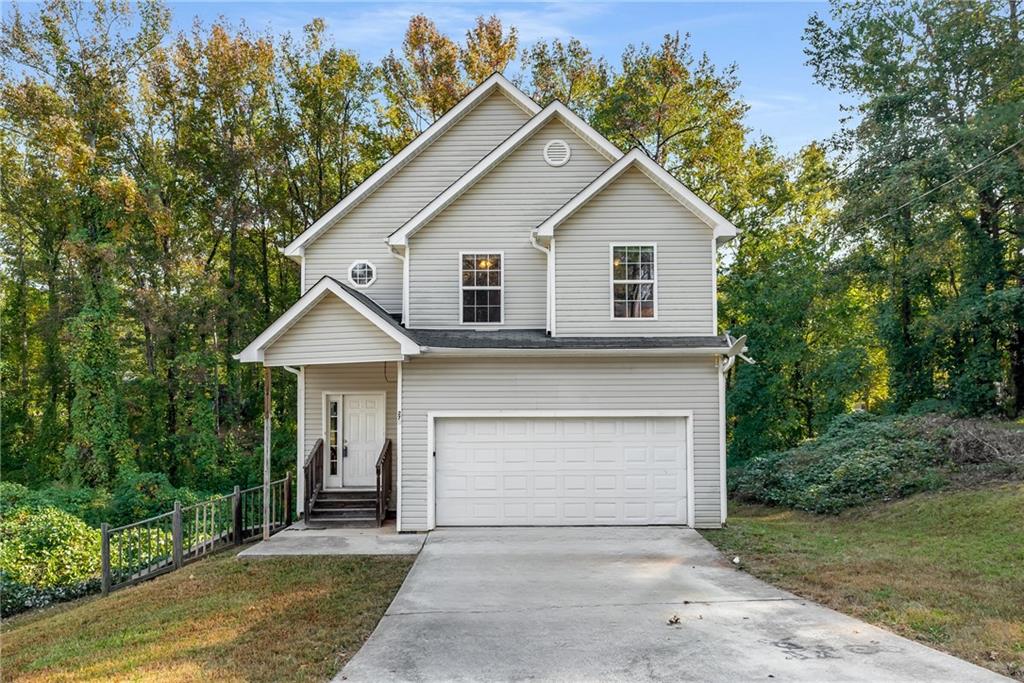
(347, 354)
(348, 423)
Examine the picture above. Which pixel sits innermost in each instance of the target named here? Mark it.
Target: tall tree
(566, 72)
(933, 194)
(425, 82)
(488, 49)
(82, 60)
(808, 320)
(324, 110)
(685, 113)
(224, 90)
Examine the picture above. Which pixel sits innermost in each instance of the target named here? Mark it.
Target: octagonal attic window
(557, 153)
(362, 273)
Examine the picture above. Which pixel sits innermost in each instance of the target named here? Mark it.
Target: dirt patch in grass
(225, 619)
(946, 569)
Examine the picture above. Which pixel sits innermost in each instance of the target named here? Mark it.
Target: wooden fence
(141, 550)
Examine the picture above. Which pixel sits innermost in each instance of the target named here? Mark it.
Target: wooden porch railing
(145, 549)
(313, 477)
(384, 478)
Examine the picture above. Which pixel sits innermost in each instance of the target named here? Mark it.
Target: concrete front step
(337, 504)
(333, 521)
(363, 511)
(351, 494)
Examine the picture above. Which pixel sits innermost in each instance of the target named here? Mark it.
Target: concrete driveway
(575, 604)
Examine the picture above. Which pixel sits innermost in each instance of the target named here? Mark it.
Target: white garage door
(560, 471)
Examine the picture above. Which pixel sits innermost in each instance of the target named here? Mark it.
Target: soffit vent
(557, 153)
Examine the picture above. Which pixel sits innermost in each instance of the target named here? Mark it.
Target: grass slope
(946, 568)
(224, 619)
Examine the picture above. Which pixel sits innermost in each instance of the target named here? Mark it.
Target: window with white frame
(634, 280)
(362, 273)
(481, 287)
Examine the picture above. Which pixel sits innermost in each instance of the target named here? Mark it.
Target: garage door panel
(549, 471)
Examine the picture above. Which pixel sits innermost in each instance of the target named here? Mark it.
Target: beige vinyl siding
(347, 378)
(633, 210)
(599, 383)
(497, 214)
(331, 332)
(360, 234)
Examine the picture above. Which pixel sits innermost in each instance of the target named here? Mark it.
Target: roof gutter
(479, 351)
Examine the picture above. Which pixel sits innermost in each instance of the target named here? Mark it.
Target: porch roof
(365, 308)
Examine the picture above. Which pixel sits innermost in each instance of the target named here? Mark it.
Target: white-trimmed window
(362, 273)
(481, 287)
(634, 281)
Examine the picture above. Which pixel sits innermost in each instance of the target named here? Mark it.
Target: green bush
(46, 554)
(859, 459)
(90, 505)
(13, 495)
(18, 597)
(47, 547)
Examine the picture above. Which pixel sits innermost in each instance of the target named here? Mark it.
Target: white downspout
(547, 253)
(405, 279)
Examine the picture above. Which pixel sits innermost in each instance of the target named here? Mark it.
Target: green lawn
(224, 619)
(946, 569)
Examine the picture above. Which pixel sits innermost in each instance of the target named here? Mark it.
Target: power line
(959, 175)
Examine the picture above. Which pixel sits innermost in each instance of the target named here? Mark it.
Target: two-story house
(522, 319)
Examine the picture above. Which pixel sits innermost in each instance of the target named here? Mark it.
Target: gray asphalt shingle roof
(532, 339)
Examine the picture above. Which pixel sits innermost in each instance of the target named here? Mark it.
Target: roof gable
(555, 110)
(722, 229)
(496, 83)
(327, 287)
(330, 331)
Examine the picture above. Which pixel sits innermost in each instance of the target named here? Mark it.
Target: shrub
(46, 555)
(90, 505)
(17, 597)
(47, 547)
(13, 495)
(860, 458)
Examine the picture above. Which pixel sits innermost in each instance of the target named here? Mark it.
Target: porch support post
(266, 453)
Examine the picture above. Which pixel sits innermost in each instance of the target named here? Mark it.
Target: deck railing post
(236, 515)
(176, 535)
(105, 557)
(288, 499)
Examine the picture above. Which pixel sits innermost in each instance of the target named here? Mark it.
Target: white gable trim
(253, 353)
(394, 164)
(723, 230)
(555, 109)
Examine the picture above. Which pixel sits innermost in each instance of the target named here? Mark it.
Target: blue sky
(763, 38)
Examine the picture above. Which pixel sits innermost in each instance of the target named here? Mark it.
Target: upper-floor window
(481, 287)
(362, 273)
(634, 281)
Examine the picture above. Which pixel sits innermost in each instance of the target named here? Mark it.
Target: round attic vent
(557, 153)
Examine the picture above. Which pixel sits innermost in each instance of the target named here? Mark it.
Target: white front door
(354, 436)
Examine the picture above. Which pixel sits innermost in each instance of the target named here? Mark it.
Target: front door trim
(434, 415)
(325, 416)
